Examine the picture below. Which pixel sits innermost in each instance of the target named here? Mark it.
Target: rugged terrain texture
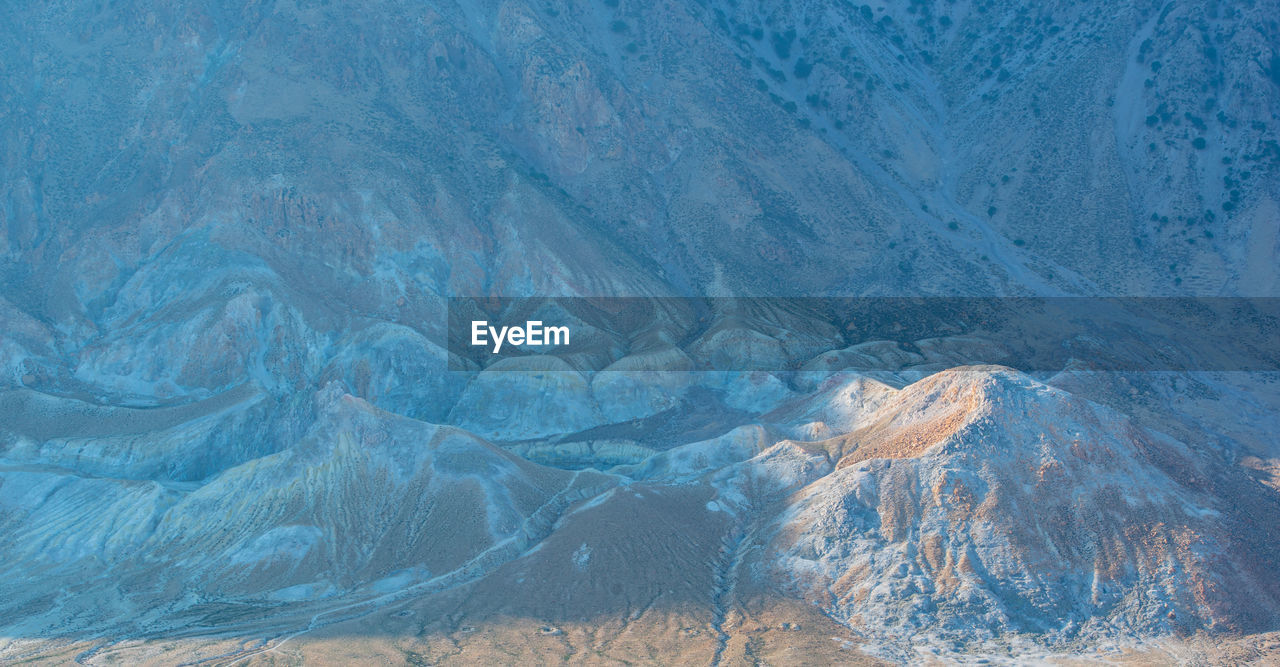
(227, 431)
(976, 511)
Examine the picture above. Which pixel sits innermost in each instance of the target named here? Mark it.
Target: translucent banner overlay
(863, 334)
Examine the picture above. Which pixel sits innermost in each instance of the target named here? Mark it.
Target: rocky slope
(228, 429)
(980, 503)
(976, 511)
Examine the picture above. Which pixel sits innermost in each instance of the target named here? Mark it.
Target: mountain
(233, 427)
(985, 503)
(976, 511)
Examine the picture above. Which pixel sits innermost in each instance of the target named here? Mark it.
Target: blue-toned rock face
(233, 423)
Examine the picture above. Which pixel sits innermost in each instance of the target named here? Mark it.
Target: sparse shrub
(782, 43)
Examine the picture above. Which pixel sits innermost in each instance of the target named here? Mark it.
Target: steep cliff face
(198, 194)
